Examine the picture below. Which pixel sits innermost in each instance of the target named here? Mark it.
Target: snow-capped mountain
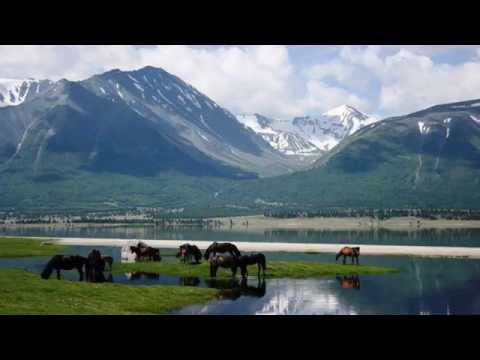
(287, 142)
(308, 136)
(16, 91)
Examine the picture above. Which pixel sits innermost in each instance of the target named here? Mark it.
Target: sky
(274, 80)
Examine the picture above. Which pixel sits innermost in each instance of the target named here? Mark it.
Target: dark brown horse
(148, 252)
(64, 262)
(222, 248)
(349, 282)
(254, 259)
(107, 260)
(353, 252)
(228, 262)
(94, 267)
(189, 252)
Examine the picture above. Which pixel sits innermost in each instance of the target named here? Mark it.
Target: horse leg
(353, 259)
(358, 257)
(344, 259)
(80, 271)
(58, 274)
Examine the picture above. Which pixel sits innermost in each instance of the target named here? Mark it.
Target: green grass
(20, 247)
(22, 292)
(275, 269)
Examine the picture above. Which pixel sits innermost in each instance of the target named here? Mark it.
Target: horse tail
(49, 268)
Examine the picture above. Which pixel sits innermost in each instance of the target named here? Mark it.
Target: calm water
(450, 237)
(424, 286)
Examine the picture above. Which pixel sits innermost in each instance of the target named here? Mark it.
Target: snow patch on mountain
(308, 135)
(14, 91)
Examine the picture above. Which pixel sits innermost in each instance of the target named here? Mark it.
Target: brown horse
(146, 252)
(353, 252)
(349, 282)
(64, 262)
(229, 262)
(222, 248)
(258, 259)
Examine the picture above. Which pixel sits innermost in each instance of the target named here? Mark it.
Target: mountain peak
(341, 110)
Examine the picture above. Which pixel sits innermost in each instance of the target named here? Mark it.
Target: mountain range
(147, 138)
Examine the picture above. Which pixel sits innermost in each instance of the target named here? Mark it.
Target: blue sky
(279, 81)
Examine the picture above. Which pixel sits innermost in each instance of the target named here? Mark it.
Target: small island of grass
(21, 247)
(275, 269)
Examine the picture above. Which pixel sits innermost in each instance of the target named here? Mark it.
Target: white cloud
(389, 80)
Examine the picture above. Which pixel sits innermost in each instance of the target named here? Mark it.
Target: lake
(424, 286)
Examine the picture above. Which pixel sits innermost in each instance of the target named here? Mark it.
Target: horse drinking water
(258, 259)
(229, 262)
(64, 262)
(353, 252)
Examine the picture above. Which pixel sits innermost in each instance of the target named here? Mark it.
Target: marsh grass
(22, 292)
(21, 247)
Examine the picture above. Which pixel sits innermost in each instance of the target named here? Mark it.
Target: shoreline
(366, 249)
(258, 223)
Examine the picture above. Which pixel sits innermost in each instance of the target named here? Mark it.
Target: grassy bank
(275, 269)
(20, 247)
(22, 292)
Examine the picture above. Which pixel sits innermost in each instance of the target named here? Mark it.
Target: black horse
(64, 262)
(228, 262)
(222, 248)
(258, 259)
(107, 260)
(189, 252)
(94, 267)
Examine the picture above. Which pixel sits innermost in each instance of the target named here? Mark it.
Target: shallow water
(424, 286)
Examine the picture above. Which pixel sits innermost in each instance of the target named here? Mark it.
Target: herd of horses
(95, 263)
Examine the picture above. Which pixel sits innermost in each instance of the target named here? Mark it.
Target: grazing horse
(353, 252)
(222, 248)
(349, 282)
(146, 252)
(187, 251)
(94, 267)
(229, 262)
(64, 262)
(253, 259)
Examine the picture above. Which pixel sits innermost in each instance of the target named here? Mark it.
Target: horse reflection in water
(138, 275)
(189, 281)
(232, 289)
(349, 282)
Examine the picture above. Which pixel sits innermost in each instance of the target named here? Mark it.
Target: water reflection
(349, 282)
(232, 289)
(427, 237)
(140, 275)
